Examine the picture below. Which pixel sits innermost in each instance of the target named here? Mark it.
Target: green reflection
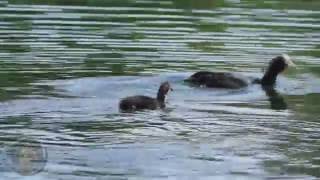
(196, 4)
(219, 27)
(71, 2)
(306, 106)
(284, 4)
(208, 46)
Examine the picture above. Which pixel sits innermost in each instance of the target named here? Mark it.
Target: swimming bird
(231, 81)
(140, 102)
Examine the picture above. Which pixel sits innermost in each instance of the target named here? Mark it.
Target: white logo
(26, 156)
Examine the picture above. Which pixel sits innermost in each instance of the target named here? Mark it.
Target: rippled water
(65, 65)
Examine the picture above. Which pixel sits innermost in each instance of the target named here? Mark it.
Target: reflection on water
(277, 102)
(65, 65)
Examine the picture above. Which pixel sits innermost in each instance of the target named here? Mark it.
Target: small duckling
(140, 102)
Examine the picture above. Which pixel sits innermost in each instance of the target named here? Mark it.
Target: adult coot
(144, 102)
(229, 80)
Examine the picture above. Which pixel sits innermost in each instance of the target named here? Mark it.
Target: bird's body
(138, 103)
(217, 80)
(141, 102)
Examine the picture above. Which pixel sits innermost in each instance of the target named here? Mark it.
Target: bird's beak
(288, 60)
(291, 63)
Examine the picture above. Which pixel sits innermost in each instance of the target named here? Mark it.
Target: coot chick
(139, 102)
(231, 81)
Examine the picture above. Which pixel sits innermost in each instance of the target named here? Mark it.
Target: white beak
(288, 60)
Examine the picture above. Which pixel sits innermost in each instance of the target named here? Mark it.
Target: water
(65, 65)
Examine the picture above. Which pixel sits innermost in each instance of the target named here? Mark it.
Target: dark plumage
(228, 80)
(217, 80)
(144, 102)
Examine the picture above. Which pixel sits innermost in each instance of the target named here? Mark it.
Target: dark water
(65, 65)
